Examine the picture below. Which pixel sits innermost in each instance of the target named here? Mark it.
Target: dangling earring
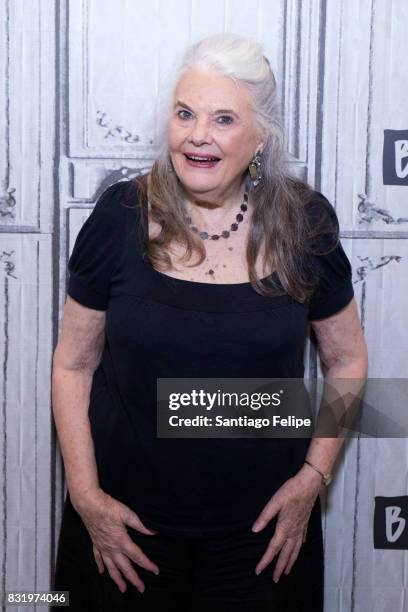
(255, 169)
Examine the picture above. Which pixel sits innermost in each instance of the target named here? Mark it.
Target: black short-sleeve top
(159, 326)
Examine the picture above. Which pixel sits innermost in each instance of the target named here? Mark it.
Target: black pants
(215, 574)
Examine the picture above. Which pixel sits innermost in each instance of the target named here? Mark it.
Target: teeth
(202, 158)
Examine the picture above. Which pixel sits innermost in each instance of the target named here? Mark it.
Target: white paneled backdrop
(79, 82)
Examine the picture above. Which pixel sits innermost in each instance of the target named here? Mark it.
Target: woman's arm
(343, 353)
(75, 360)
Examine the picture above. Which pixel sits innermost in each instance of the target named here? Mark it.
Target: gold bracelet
(326, 478)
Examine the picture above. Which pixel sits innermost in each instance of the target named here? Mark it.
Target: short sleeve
(331, 265)
(97, 250)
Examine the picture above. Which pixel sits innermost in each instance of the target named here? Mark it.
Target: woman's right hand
(105, 519)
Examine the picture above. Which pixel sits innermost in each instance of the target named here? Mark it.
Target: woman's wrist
(309, 476)
(81, 499)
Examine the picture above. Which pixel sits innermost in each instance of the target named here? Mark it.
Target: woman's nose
(200, 131)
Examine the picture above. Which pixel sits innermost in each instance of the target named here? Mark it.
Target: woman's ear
(260, 148)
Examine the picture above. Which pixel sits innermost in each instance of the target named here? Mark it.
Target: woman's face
(211, 116)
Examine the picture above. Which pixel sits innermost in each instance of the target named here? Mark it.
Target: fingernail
(258, 571)
(156, 572)
(256, 527)
(276, 579)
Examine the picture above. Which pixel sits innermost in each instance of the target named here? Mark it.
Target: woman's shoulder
(318, 211)
(123, 193)
(120, 205)
(113, 216)
(101, 243)
(322, 222)
(316, 203)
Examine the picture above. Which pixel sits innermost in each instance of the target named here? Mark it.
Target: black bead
(226, 233)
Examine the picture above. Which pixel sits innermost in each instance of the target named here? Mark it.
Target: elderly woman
(210, 265)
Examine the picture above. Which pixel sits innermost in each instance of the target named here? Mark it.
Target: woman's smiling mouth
(201, 161)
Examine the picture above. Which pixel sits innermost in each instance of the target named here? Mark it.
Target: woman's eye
(229, 119)
(182, 111)
(222, 120)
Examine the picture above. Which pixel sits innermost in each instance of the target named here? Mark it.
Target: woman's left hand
(293, 502)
